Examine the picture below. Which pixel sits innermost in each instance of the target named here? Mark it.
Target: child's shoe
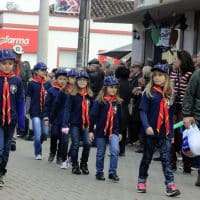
(51, 157)
(84, 168)
(76, 170)
(64, 165)
(141, 188)
(172, 191)
(100, 177)
(38, 157)
(113, 177)
(1, 182)
(59, 161)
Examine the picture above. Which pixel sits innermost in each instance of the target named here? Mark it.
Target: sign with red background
(27, 39)
(103, 59)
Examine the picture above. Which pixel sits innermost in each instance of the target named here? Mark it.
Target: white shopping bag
(191, 141)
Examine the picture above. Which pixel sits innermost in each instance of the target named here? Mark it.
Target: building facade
(21, 27)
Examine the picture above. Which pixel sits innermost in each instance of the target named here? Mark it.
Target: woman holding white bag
(191, 108)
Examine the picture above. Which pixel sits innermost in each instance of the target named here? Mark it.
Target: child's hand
(120, 137)
(149, 131)
(188, 121)
(91, 137)
(65, 130)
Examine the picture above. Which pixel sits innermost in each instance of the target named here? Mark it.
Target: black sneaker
(172, 191)
(113, 177)
(76, 170)
(84, 168)
(13, 144)
(51, 157)
(100, 177)
(122, 154)
(1, 182)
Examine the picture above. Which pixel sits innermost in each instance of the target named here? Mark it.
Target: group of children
(67, 107)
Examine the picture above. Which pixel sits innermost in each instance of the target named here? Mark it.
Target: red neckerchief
(110, 114)
(57, 85)
(85, 108)
(163, 116)
(69, 88)
(6, 105)
(41, 80)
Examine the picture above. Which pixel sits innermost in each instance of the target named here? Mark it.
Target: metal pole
(42, 53)
(84, 33)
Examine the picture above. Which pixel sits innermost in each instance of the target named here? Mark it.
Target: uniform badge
(13, 89)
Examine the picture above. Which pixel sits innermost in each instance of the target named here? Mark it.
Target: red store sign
(27, 39)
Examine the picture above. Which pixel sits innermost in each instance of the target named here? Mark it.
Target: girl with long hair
(106, 115)
(157, 121)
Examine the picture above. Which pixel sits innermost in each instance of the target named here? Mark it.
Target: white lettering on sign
(14, 41)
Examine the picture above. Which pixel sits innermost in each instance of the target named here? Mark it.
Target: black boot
(198, 180)
(76, 170)
(100, 177)
(113, 177)
(84, 168)
(51, 157)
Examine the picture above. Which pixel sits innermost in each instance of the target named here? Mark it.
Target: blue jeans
(114, 153)
(38, 130)
(76, 135)
(151, 144)
(6, 134)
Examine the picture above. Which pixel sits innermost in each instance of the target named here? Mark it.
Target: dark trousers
(76, 135)
(59, 143)
(124, 128)
(6, 134)
(153, 143)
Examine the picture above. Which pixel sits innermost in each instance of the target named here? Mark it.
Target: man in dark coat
(96, 76)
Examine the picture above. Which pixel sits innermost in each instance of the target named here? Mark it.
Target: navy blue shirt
(149, 112)
(59, 107)
(74, 107)
(99, 116)
(33, 92)
(17, 101)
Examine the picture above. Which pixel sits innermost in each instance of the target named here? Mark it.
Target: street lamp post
(84, 33)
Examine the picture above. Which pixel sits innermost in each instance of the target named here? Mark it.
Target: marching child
(79, 121)
(71, 81)
(106, 115)
(36, 92)
(12, 106)
(53, 116)
(157, 120)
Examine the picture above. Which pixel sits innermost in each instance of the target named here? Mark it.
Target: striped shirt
(180, 83)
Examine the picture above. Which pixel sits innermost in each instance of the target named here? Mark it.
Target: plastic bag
(191, 141)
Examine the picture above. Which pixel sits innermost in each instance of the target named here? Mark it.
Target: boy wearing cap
(12, 106)
(53, 114)
(36, 92)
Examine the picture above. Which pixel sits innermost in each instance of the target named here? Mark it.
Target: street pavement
(28, 179)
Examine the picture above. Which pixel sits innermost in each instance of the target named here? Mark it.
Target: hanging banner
(11, 37)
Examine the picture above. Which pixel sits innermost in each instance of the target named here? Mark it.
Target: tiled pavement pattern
(28, 179)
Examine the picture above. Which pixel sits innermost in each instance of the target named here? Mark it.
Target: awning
(158, 12)
(118, 52)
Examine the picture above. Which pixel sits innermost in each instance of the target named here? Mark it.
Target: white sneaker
(64, 165)
(38, 157)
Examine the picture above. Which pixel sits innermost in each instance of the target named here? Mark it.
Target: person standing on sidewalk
(191, 108)
(157, 121)
(106, 115)
(12, 106)
(36, 92)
